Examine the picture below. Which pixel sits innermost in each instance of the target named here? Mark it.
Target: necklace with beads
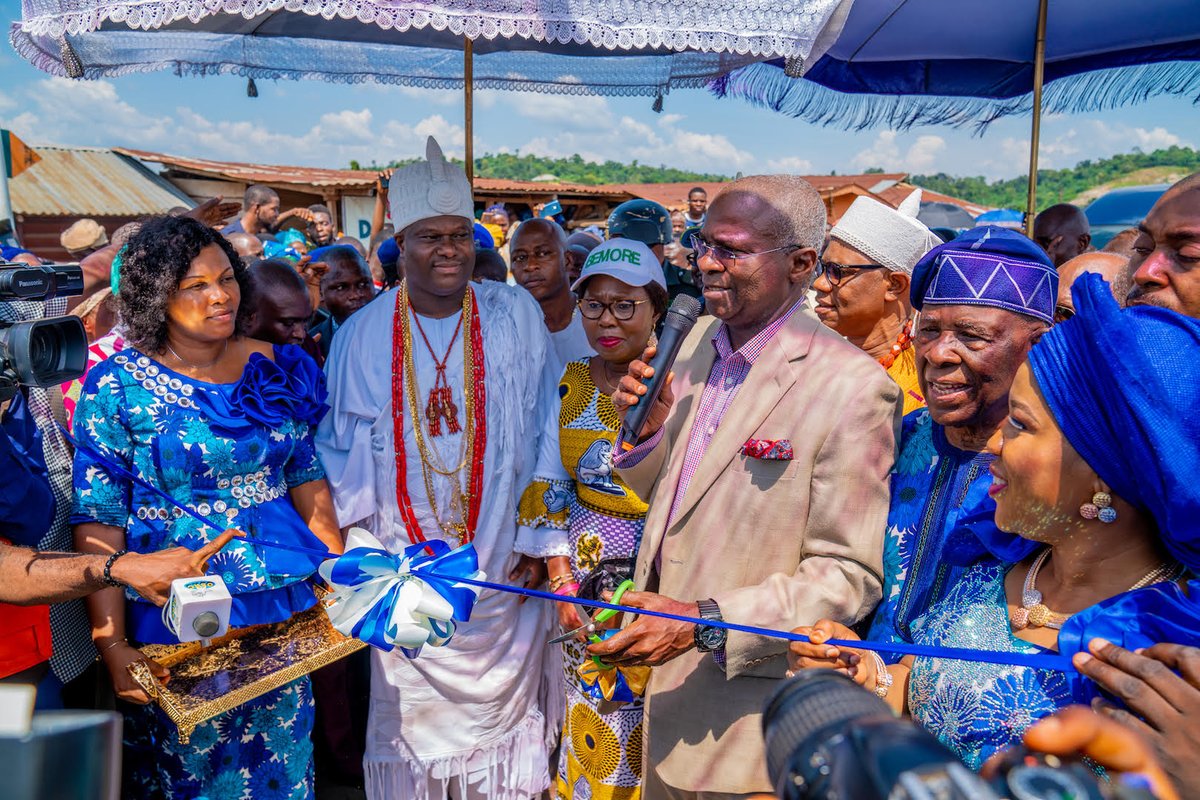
(1032, 613)
(465, 500)
(903, 342)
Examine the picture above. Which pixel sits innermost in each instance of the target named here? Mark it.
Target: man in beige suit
(768, 491)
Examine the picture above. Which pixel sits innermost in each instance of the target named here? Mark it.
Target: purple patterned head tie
(963, 277)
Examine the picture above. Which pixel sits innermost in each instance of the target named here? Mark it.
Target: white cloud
(63, 110)
(92, 112)
(791, 164)
(6, 103)
(885, 153)
(560, 111)
(666, 120)
(923, 154)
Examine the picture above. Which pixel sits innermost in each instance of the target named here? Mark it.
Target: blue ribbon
(452, 575)
(396, 599)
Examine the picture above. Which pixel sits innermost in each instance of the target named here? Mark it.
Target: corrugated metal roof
(278, 174)
(259, 173)
(90, 181)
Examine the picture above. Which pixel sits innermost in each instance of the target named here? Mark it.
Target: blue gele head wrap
(290, 236)
(483, 238)
(114, 276)
(1124, 386)
(988, 266)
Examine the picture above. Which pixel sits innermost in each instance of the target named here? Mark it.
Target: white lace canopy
(568, 46)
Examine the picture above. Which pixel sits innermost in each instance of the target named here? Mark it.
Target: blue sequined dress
(231, 452)
(976, 709)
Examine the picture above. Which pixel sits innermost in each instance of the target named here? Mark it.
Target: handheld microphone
(681, 316)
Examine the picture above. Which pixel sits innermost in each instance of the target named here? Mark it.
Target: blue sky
(318, 124)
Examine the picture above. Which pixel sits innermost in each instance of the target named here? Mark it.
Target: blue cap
(988, 266)
(388, 251)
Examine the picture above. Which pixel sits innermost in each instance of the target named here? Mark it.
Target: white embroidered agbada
(475, 710)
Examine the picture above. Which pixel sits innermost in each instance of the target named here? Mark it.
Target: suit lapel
(698, 365)
(769, 380)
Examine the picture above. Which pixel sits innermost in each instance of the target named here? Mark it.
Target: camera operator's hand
(1161, 686)
(150, 574)
(630, 391)
(1077, 731)
(117, 658)
(815, 654)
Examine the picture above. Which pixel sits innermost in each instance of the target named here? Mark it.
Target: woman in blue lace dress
(1095, 471)
(224, 425)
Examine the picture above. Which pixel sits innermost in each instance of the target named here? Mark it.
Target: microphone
(681, 316)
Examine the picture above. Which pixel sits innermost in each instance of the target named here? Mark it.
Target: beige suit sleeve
(839, 576)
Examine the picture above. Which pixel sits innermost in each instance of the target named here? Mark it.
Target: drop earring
(1100, 508)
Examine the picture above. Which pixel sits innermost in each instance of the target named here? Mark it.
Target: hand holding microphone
(643, 397)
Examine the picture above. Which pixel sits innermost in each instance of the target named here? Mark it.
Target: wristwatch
(709, 638)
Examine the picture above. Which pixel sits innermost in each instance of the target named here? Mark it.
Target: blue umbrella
(900, 63)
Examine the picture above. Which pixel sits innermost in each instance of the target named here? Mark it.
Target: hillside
(511, 166)
(1079, 184)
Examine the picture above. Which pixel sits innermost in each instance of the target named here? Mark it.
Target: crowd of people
(871, 434)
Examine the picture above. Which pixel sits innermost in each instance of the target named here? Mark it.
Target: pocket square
(768, 449)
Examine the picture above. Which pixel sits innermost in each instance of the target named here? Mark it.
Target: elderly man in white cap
(862, 288)
(438, 390)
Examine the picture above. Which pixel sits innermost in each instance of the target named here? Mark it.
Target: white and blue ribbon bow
(404, 600)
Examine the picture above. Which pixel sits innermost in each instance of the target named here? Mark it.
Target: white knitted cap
(430, 188)
(887, 236)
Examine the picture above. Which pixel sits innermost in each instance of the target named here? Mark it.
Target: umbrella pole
(469, 106)
(1039, 66)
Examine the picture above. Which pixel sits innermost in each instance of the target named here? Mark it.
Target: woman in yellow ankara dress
(581, 513)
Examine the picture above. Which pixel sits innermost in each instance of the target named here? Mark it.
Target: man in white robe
(466, 719)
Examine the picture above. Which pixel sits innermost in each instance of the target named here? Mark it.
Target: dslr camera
(40, 352)
(829, 738)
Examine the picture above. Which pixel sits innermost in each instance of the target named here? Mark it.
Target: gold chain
(460, 498)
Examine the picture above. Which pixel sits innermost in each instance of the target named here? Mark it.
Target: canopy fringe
(765, 85)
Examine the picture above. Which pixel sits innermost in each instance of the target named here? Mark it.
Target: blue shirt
(934, 486)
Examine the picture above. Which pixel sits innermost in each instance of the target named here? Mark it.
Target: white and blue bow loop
(404, 600)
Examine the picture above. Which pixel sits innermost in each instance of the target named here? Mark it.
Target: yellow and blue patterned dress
(580, 495)
(231, 452)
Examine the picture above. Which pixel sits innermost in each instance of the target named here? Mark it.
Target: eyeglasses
(1063, 313)
(522, 257)
(836, 273)
(622, 310)
(726, 258)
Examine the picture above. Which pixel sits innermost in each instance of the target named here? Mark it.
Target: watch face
(712, 638)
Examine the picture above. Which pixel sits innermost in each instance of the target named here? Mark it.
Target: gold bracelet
(111, 645)
(560, 580)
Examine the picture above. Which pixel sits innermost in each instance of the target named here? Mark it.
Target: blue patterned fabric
(988, 266)
(977, 709)
(263, 746)
(168, 429)
(934, 486)
(231, 452)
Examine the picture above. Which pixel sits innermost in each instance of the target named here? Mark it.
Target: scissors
(603, 615)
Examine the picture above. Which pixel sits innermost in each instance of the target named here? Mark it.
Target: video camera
(40, 352)
(829, 738)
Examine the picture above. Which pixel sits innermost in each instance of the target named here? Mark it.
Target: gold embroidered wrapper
(236, 668)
